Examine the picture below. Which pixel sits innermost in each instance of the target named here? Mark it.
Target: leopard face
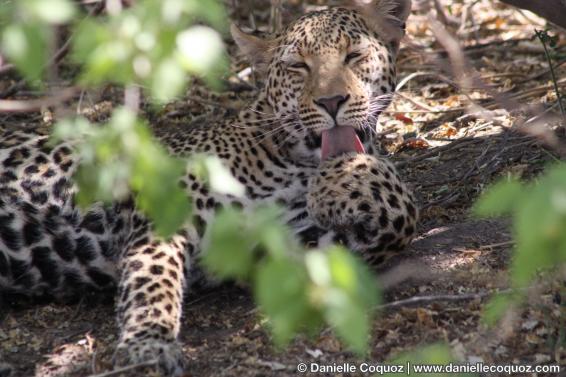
(333, 68)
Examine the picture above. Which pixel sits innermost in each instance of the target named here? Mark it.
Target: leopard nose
(332, 104)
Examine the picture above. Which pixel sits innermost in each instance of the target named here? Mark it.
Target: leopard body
(328, 69)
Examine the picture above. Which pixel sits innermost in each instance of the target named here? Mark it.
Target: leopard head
(329, 74)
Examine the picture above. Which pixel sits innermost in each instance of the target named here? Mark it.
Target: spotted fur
(50, 247)
(362, 198)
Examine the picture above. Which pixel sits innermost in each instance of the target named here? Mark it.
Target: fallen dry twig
(419, 300)
(16, 106)
(127, 368)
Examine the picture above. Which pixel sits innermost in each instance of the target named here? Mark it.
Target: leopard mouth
(340, 140)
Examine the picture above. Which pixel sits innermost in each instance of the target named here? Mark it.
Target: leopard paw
(168, 356)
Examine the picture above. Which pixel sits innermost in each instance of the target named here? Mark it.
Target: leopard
(326, 77)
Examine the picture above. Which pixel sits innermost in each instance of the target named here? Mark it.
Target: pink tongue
(340, 140)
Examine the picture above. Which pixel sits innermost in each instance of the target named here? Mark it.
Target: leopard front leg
(372, 212)
(150, 300)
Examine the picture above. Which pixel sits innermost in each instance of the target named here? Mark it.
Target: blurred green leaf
(275, 237)
(281, 292)
(122, 157)
(496, 307)
(210, 11)
(220, 178)
(153, 44)
(200, 48)
(500, 199)
(427, 357)
(26, 46)
(539, 227)
(160, 197)
(50, 11)
(234, 235)
(229, 253)
(433, 354)
(539, 220)
(168, 81)
(348, 294)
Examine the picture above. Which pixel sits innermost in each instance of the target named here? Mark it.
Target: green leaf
(275, 237)
(496, 307)
(352, 275)
(50, 11)
(433, 354)
(168, 81)
(229, 253)
(500, 199)
(539, 228)
(349, 319)
(158, 191)
(220, 178)
(281, 288)
(350, 302)
(26, 46)
(436, 355)
(346, 293)
(151, 44)
(200, 48)
(123, 157)
(533, 249)
(211, 11)
(88, 36)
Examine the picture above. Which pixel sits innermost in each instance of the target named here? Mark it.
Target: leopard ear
(259, 51)
(387, 17)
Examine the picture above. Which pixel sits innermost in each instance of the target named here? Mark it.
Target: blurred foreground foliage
(297, 289)
(155, 45)
(538, 211)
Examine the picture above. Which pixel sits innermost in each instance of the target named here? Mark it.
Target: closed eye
(352, 56)
(299, 65)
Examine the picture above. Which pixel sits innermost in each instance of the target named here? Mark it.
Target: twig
(447, 199)
(117, 371)
(418, 104)
(93, 362)
(543, 72)
(132, 98)
(413, 75)
(436, 151)
(203, 101)
(495, 245)
(477, 48)
(13, 89)
(540, 36)
(538, 116)
(275, 20)
(418, 300)
(18, 106)
(455, 110)
(534, 91)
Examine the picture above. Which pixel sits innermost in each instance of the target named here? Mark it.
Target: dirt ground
(445, 151)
